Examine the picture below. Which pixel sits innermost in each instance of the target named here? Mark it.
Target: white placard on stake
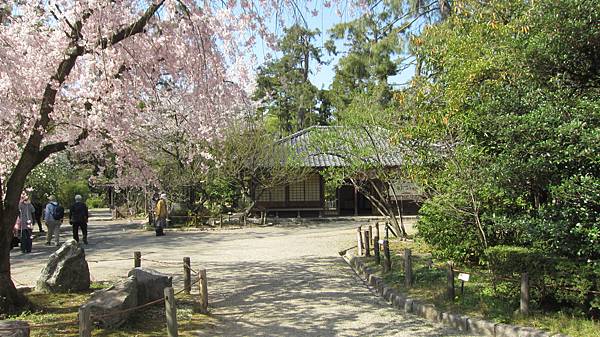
(464, 277)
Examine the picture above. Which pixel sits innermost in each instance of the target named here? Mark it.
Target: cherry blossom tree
(98, 75)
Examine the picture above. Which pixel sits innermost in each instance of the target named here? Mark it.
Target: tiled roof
(327, 146)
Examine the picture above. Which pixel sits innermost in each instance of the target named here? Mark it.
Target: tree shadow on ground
(309, 297)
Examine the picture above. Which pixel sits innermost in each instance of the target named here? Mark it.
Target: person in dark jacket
(78, 217)
(39, 212)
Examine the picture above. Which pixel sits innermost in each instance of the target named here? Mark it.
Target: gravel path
(263, 281)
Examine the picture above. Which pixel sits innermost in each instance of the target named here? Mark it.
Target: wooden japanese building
(307, 198)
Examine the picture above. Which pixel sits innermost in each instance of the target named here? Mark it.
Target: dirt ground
(282, 280)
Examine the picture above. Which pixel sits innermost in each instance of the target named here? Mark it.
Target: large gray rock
(107, 306)
(66, 270)
(150, 284)
(14, 329)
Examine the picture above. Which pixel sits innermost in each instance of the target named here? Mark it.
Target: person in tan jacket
(161, 215)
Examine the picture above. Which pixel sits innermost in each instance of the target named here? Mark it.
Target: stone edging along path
(430, 312)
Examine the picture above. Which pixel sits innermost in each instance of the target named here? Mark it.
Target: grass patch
(481, 298)
(148, 322)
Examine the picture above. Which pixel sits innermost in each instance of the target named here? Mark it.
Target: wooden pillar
(376, 250)
(359, 240)
(203, 287)
(137, 259)
(407, 268)
(371, 234)
(187, 275)
(387, 259)
(524, 307)
(450, 293)
(85, 321)
(367, 243)
(387, 231)
(171, 312)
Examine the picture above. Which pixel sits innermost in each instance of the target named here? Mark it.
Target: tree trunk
(11, 301)
(398, 227)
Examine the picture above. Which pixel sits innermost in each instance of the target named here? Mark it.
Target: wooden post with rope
(137, 259)
(187, 275)
(203, 287)
(85, 321)
(171, 312)
(359, 240)
(387, 259)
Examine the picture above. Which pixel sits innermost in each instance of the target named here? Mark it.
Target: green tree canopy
(283, 87)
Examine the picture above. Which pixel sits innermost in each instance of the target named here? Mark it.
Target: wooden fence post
(387, 260)
(359, 240)
(367, 243)
(408, 268)
(171, 312)
(450, 293)
(387, 231)
(85, 321)
(137, 259)
(376, 249)
(203, 287)
(187, 275)
(524, 307)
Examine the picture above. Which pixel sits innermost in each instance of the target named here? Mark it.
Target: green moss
(148, 322)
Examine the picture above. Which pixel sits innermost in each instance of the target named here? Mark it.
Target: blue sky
(326, 19)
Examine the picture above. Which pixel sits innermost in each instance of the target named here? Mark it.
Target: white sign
(464, 277)
(380, 242)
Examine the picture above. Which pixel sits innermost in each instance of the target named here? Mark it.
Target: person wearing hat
(53, 219)
(161, 215)
(78, 217)
(26, 217)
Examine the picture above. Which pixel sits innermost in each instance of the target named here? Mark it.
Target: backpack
(58, 213)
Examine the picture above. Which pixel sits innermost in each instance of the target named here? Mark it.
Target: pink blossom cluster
(182, 72)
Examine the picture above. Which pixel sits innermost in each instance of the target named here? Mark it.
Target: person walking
(161, 215)
(53, 216)
(39, 212)
(26, 214)
(78, 217)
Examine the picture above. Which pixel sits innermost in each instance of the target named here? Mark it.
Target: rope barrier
(190, 267)
(167, 263)
(129, 309)
(443, 267)
(140, 306)
(113, 260)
